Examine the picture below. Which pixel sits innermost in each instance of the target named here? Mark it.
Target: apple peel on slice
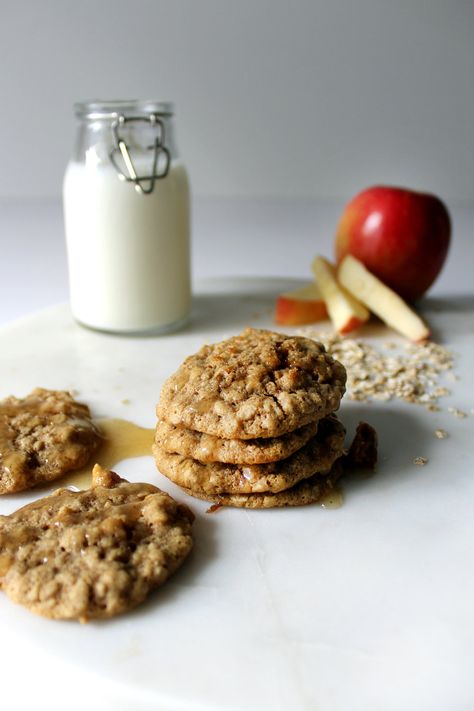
(300, 306)
(381, 300)
(345, 311)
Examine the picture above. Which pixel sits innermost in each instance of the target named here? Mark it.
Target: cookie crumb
(420, 461)
(441, 434)
(363, 450)
(125, 401)
(213, 508)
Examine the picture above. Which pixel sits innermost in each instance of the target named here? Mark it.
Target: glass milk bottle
(126, 211)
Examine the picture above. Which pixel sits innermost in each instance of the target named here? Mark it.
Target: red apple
(400, 235)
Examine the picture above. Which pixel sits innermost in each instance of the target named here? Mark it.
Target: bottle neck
(135, 141)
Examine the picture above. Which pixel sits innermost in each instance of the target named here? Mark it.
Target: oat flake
(420, 461)
(411, 373)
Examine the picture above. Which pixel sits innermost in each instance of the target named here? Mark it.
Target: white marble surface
(365, 607)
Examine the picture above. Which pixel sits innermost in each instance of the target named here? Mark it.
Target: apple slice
(380, 299)
(345, 311)
(300, 306)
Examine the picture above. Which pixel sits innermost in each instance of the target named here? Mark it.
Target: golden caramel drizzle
(332, 499)
(204, 405)
(122, 440)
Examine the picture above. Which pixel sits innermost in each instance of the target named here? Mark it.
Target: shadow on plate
(232, 304)
(404, 432)
(448, 304)
(459, 317)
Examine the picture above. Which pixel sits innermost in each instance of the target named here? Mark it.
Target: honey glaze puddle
(332, 499)
(122, 440)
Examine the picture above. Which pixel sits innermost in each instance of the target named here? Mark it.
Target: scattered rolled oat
(441, 392)
(420, 461)
(411, 373)
(441, 434)
(460, 414)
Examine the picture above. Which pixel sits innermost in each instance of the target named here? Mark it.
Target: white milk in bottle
(126, 210)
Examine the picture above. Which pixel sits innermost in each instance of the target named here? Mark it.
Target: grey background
(274, 98)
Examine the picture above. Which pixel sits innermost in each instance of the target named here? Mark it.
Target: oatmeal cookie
(257, 384)
(318, 455)
(43, 436)
(94, 553)
(209, 448)
(308, 491)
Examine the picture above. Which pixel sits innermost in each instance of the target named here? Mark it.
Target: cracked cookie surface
(257, 384)
(43, 436)
(318, 455)
(93, 553)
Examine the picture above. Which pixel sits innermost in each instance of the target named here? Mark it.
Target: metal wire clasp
(158, 148)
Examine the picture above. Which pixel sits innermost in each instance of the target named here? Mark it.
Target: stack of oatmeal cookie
(250, 422)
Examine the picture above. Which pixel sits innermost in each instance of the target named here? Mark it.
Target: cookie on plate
(43, 436)
(209, 448)
(94, 553)
(257, 384)
(317, 455)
